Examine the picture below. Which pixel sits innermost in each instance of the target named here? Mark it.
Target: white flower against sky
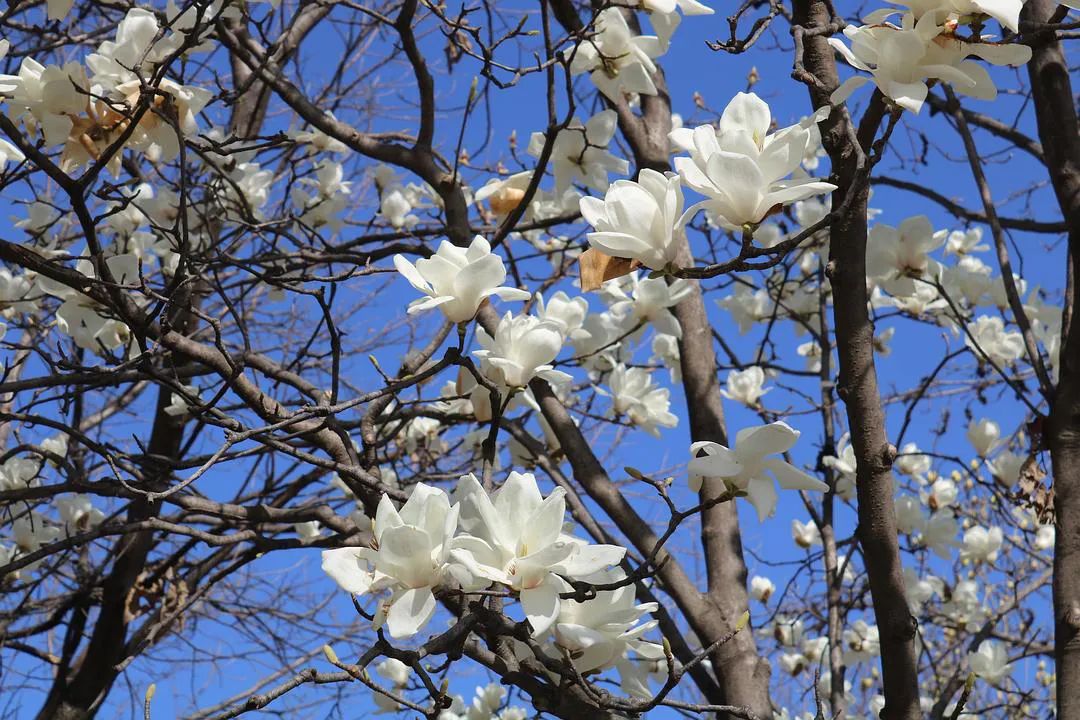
(635, 396)
(896, 257)
(902, 58)
(580, 153)
(641, 299)
(562, 310)
(745, 386)
(457, 280)
(640, 220)
(761, 588)
(747, 467)
(983, 435)
(988, 336)
(664, 18)
(990, 662)
(1044, 537)
(411, 558)
(965, 242)
(909, 515)
(618, 60)
(1006, 468)
(981, 544)
(78, 513)
(516, 540)
(523, 348)
(805, 535)
(740, 167)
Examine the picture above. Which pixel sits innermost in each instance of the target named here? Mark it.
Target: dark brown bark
(857, 385)
(1056, 117)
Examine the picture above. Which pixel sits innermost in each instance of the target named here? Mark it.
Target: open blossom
(919, 589)
(599, 632)
(649, 300)
(939, 533)
(1006, 12)
(988, 336)
(990, 661)
(457, 280)
(618, 60)
(965, 242)
(844, 466)
(635, 396)
(411, 558)
(983, 436)
(664, 18)
(861, 643)
(761, 588)
(744, 467)
(640, 220)
(942, 494)
(516, 540)
(745, 386)
(562, 310)
(1006, 468)
(981, 545)
(902, 58)
(911, 461)
(523, 348)
(897, 257)
(580, 152)
(909, 515)
(740, 168)
(1044, 537)
(78, 513)
(805, 535)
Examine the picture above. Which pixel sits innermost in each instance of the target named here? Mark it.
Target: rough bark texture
(857, 385)
(1055, 114)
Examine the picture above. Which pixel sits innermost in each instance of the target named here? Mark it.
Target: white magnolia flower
(983, 435)
(599, 632)
(309, 530)
(943, 493)
(665, 350)
(965, 242)
(939, 533)
(761, 588)
(990, 661)
(920, 589)
(1006, 468)
(909, 515)
(410, 557)
(597, 343)
(897, 257)
(78, 513)
(968, 281)
(844, 466)
(641, 220)
(981, 545)
(664, 19)
(640, 300)
(744, 467)
(988, 335)
(457, 280)
(861, 643)
(395, 672)
(635, 396)
(805, 535)
(523, 348)
(516, 539)
(562, 310)
(619, 60)
(912, 462)
(504, 194)
(179, 405)
(1006, 12)
(901, 59)
(1044, 537)
(741, 168)
(747, 306)
(580, 152)
(745, 386)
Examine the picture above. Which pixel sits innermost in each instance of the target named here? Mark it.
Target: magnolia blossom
(649, 300)
(580, 152)
(641, 220)
(1006, 12)
(599, 632)
(988, 337)
(457, 280)
(943, 493)
(745, 386)
(901, 59)
(618, 60)
(965, 242)
(912, 462)
(1044, 537)
(761, 588)
(861, 643)
(747, 306)
(597, 343)
(990, 661)
(743, 468)
(664, 18)
(83, 319)
(411, 558)
(981, 545)
(562, 310)
(805, 535)
(939, 533)
(983, 435)
(634, 395)
(523, 348)
(897, 257)
(844, 465)
(1006, 468)
(666, 351)
(516, 539)
(909, 515)
(919, 589)
(78, 513)
(740, 167)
